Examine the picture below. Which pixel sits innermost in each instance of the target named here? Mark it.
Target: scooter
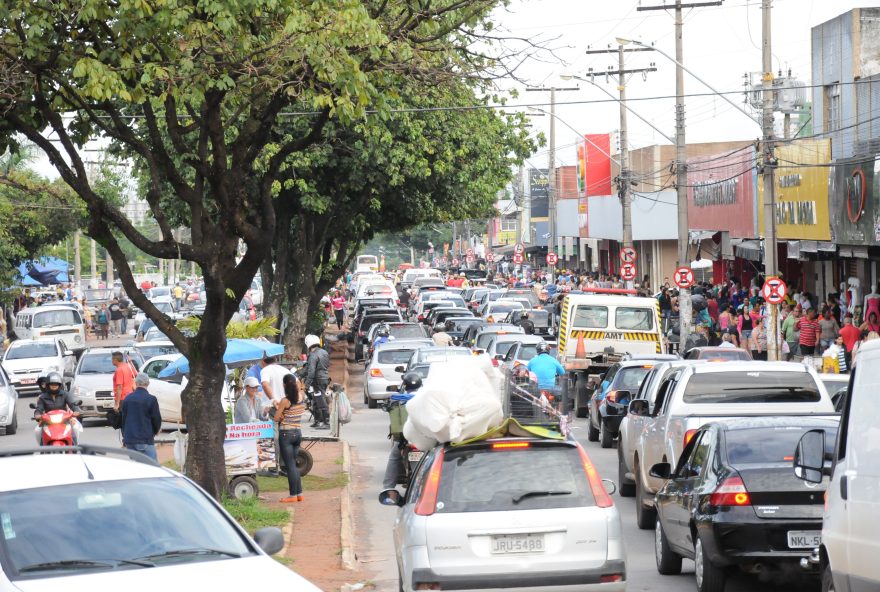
(57, 427)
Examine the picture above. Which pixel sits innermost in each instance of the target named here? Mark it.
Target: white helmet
(312, 341)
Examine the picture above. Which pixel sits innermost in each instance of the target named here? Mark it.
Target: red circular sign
(552, 258)
(519, 248)
(518, 258)
(684, 277)
(628, 255)
(774, 290)
(490, 257)
(628, 271)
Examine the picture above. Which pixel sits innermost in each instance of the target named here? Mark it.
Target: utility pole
(77, 260)
(94, 253)
(624, 177)
(551, 172)
(684, 295)
(768, 169)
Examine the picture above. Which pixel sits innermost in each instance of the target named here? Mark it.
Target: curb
(287, 531)
(346, 530)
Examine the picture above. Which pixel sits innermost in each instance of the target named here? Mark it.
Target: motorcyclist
(526, 323)
(317, 379)
(382, 336)
(545, 367)
(56, 398)
(440, 336)
(395, 468)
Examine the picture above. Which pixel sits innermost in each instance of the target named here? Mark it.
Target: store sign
(797, 213)
(722, 193)
(852, 199)
(539, 192)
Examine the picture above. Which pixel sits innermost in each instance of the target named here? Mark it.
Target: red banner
(597, 164)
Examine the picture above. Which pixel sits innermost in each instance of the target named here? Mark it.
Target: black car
(439, 315)
(371, 318)
(460, 325)
(733, 501)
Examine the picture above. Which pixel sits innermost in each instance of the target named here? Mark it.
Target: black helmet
(42, 381)
(524, 315)
(54, 378)
(542, 347)
(382, 331)
(449, 325)
(412, 381)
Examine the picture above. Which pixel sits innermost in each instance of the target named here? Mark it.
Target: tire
(12, 428)
(710, 577)
(827, 580)
(593, 433)
(304, 462)
(580, 397)
(366, 398)
(668, 561)
(243, 487)
(626, 488)
(606, 439)
(372, 403)
(645, 516)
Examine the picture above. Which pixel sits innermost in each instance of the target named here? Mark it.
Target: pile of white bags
(460, 400)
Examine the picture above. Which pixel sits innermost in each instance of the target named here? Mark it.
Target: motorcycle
(410, 455)
(57, 427)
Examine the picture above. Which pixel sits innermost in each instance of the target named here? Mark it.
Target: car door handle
(844, 487)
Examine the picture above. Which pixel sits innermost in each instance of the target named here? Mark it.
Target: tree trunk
(275, 290)
(300, 292)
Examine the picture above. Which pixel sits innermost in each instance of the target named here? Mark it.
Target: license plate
(415, 456)
(107, 404)
(517, 543)
(28, 381)
(804, 539)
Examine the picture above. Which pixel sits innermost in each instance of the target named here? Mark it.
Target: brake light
(610, 578)
(603, 500)
(494, 362)
(508, 445)
(421, 317)
(731, 492)
(375, 372)
(688, 436)
(428, 500)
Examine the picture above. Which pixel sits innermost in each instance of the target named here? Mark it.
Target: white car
(167, 390)
(256, 292)
(380, 371)
(8, 401)
(25, 360)
(498, 310)
(99, 520)
(93, 379)
(164, 304)
(521, 514)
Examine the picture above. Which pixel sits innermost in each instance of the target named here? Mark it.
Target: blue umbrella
(239, 352)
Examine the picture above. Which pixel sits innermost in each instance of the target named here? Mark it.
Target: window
(630, 379)
(154, 368)
(832, 107)
(503, 347)
(634, 319)
(395, 356)
(751, 387)
(590, 317)
(684, 461)
(32, 350)
(56, 318)
(769, 444)
(509, 224)
(406, 332)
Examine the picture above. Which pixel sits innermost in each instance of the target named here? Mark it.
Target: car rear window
(406, 332)
(530, 350)
(502, 347)
(726, 354)
(631, 378)
(767, 445)
(494, 480)
(753, 386)
(395, 356)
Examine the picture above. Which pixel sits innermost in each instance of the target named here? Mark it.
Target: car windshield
(524, 294)
(150, 351)
(489, 480)
(500, 309)
(56, 318)
(440, 356)
(406, 332)
(631, 378)
(448, 301)
(634, 319)
(752, 386)
(587, 316)
(164, 307)
(97, 364)
(32, 350)
(460, 324)
(394, 356)
(769, 445)
(112, 525)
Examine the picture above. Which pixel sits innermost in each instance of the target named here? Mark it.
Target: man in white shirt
(726, 341)
(272, 378)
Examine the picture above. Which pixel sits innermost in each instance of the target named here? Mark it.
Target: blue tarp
(44, 271)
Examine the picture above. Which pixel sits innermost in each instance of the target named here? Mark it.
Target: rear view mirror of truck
(809, 457)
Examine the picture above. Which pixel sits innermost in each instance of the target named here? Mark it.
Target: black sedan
(734, 501)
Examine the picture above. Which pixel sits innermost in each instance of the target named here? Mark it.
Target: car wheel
(827, 579)
(581, 399)
(710, 578)
(593, 432)
(372, 403)
(366, 398)
(606, 438)
(13, 427)
(645, 516)
(626, 488)
(668, 561)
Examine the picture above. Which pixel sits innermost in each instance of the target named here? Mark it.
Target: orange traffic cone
(581, 350)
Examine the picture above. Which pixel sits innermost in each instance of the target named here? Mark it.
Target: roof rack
(89, 449)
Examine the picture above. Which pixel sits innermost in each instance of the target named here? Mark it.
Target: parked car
(24, 361)
(372, 317)
(8, 405)
(150, 349)
(693, 395)
(381, 370)
(484, 335)
(507, 514)
(93, 379)
(731, 500)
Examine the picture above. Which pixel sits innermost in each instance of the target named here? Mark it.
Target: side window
(840, 452)
(643, 389)
(663, 392)
(702, 458)
(4, 380)
(684, 461)
(511, 353)
(611, 374)
(418, 480)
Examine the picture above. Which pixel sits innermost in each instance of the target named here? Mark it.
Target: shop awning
(747, 249)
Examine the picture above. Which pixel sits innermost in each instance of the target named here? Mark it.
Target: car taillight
(494, 362)
(688, 436)
(731, 492)
(375, 373)
(421, 317)
(428, 500)
(610, 578)
(603, 500)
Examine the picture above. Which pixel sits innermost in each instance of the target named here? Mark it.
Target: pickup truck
(690, 395)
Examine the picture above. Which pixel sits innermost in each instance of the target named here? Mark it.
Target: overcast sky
(720, 45)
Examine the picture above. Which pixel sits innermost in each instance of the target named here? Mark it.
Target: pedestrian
(829, 329)
(338, 304)
(103, 320)
(115, 317)
(140, 418)
(790, 334)
(758, 343)
(850, 335)
(317, 380)
(809, 333)
(272, 379)
(123, 378)
(288, 414)
(178, 297)
(125, 307)
(253, 406)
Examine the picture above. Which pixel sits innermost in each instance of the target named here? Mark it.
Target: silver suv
(93, 379)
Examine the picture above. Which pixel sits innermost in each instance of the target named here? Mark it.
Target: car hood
(93, 382)
(225, 574)
(31, 364)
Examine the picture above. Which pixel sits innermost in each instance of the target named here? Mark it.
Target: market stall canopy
(239, 352)
(43, 272)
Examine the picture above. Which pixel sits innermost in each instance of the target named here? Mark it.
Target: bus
(367, 263)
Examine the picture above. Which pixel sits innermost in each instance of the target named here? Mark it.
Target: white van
(58, 321)
(850, 545)
(411, 275)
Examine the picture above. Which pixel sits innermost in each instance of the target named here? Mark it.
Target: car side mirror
(499, 357)
(270, 539)
(67, 353)
(661, 470)
(33, 405)
(638, 407)
(809, 457)
(391, 497)
(399, 368)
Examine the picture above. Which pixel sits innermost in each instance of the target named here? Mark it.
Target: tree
(385, 174)
(194, 91)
